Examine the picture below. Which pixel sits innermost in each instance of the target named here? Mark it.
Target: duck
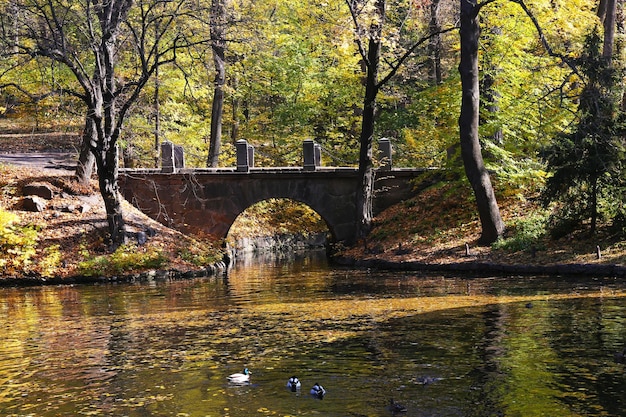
(396, 407)
(318, 391)
(240, 378)
(620, 357)
(294, 384)
(426, 380)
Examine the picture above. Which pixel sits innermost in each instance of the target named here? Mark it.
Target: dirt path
(64, 161)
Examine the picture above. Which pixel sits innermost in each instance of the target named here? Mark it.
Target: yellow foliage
(17, 244)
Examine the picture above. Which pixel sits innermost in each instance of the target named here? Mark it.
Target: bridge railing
(173, 158)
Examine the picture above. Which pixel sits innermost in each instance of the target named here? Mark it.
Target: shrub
(525, 233)
(17, 244)
(125, 258)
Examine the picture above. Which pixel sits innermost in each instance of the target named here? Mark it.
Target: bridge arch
(291, 215)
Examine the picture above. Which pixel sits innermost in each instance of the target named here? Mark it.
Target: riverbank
(54, 232)
(433, 232)
(438, 230)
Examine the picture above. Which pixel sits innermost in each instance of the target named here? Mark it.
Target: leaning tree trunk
(488, 211)
(86, 158)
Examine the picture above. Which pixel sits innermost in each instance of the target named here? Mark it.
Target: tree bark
(108, 173)
(86, 158)
(488, 211)
(365, 192)
(218, 47)
(234, 132)
(435, 44)
(157, 119)
(608, 21)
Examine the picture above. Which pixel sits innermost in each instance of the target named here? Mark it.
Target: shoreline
(470, 269)
(475, 268)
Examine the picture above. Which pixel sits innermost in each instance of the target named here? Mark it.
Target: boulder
(38, 189)
(33, 203)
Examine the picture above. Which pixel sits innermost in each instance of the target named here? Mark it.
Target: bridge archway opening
(281, 221)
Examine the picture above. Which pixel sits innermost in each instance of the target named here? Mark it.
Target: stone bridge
(210, 199)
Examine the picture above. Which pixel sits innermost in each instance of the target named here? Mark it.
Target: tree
(369, 41)
(588, 164)
(90, 38)
(488, 211)
(219, 16)
(371, 58)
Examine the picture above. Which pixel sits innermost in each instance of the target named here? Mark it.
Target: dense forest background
(204, 74)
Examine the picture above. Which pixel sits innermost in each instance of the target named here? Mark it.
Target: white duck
(240, 378)
(294, 384)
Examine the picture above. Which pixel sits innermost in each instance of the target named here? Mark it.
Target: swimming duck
(240, 378)
(620, 357)
(426, 380)
(294, 384)
(318, 391)
(396, 407)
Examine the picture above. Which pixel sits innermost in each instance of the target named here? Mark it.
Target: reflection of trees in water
(167, 346)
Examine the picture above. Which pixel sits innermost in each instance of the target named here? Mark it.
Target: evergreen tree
(586, 165)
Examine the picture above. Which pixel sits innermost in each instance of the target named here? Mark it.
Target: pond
(439, 345)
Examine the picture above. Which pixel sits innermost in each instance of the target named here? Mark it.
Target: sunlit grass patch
(125, 258)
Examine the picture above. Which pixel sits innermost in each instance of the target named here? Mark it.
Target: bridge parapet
(173, 158)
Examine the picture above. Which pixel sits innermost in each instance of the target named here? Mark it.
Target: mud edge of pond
(148, 276)
(486, 268)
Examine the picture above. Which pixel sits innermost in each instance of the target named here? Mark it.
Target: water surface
(440, 345)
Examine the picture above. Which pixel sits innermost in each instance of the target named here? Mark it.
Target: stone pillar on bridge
(384, 153)
(179, 157)
(168, 163)
(172, 157)
(250, 155)
(312, 153)
(245, 155)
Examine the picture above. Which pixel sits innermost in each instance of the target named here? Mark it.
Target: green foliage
(200, 253)
(587, 164)
(125, 258)
(277, 216)
(51, 260)
(17, 244)
(425, 127)
(524, 234)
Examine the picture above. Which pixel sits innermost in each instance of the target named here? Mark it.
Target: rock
(38, 189)
(33, 203)
(141, 238)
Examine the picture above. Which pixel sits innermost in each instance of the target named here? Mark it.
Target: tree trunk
(157, 119)
(86, 159)
(435, 44)
(108, 167)
(489, 94)
(608, 20)
(594, 204)
(488, 211)
(218, 46)
(234, 132)
(365, 192)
